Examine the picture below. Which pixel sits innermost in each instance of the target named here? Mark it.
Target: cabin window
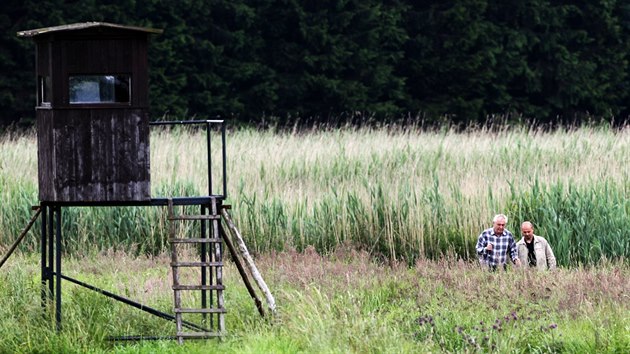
(100, 89)
(45, 88)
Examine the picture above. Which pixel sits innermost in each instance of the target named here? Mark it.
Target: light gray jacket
(544, 255)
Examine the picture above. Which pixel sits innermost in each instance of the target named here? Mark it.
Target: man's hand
(517, 262)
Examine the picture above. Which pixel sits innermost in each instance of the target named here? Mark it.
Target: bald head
(527, 230)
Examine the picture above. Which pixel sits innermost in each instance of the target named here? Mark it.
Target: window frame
(100, 79)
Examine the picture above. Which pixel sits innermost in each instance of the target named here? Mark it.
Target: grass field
(339, 303)
(365, 236)
(398, 194)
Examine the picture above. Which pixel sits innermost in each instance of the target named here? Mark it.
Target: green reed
(584, 223)
(400, 194)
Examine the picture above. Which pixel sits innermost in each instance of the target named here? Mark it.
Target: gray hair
(500, 216)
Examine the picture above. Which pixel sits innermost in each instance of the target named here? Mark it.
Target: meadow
(343, 302)
(365, 236)
(399, 194)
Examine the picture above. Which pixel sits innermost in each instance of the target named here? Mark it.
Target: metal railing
(208, 125)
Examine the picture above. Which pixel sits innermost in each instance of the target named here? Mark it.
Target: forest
(287, 62)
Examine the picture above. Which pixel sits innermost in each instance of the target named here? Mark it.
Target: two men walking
(496, 244)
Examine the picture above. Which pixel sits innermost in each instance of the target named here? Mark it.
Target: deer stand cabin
(93, 146)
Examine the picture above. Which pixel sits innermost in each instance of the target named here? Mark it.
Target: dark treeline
(313, 61)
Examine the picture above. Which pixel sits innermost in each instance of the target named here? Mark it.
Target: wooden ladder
(209, 277)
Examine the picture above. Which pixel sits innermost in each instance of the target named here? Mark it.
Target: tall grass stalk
(398, 193)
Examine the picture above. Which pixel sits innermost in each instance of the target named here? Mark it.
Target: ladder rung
(197, 264)
(198, 334)
(195, 217)
(189, 310)
(198, 287)
(195, 240)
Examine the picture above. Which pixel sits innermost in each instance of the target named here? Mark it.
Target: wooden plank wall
(94, 155)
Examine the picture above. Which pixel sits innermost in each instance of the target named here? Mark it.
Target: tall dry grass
(395, 192)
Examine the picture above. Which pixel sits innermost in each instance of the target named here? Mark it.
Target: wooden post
(271, 303)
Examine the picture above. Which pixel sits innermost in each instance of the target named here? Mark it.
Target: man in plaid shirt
(493, 245)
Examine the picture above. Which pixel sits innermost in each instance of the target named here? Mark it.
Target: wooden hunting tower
(92, 112)
(93, 151)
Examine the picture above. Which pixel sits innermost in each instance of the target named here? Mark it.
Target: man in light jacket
(534, 250)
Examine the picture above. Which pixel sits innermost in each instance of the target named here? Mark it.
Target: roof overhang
(84, 25)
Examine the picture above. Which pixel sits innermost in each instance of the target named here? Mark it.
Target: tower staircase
(197, 266)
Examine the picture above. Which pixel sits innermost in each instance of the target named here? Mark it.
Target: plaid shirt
(502, 242)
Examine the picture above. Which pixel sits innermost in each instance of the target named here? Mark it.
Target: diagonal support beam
(271, 303)
(21, 237)
(134, 304)
(242, 272)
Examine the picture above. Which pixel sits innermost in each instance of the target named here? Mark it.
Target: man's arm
(514, 252)
(551, 259)
(481, 244)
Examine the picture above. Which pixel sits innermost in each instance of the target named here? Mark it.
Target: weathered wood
(198, 334)
(198, 287)
(271, 303)
(196, 217)
(241, 271)
(92, 151)
(214, 264)
(219, 258)
(45, 154)
(195, 240)
(93, 156)
(197, 264)
(194, 310)
(176, 295)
